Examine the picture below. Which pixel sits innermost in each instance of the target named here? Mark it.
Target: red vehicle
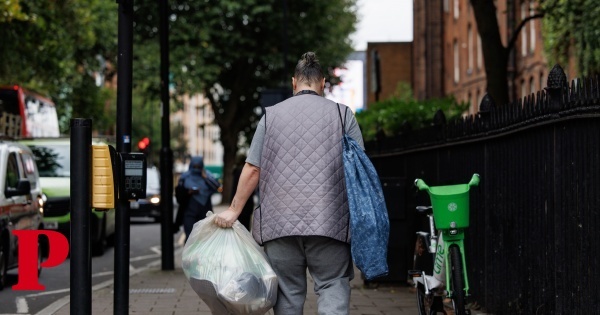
(24, 113)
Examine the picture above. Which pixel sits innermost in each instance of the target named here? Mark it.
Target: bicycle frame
(448, 240)
(439, 245)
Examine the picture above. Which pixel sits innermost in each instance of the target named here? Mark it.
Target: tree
(231, 50)
(495, 54)
(58, 48)
(571, 28)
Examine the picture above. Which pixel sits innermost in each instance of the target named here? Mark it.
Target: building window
(523, 89)
(456, 9)
(541, 80)
(472, 104)
(456, 64)
(531, 86)
(12, 171)
(524, 12)
(470, 48)
(446, 8)
(479, 53)
(532, 34)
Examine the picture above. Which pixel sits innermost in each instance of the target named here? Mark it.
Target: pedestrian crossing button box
(103, 177)
(133, 176)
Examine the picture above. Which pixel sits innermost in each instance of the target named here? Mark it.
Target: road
(145, 250)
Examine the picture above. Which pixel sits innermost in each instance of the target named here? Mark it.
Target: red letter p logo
(58, 250)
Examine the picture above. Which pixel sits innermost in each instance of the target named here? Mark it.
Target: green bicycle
(439, 261)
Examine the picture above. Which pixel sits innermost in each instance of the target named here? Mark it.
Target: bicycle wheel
(457, 281)
(429, 304)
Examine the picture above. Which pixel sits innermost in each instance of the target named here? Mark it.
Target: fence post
(556, 86)
(439, 122)
(485, 108)
(439, 118)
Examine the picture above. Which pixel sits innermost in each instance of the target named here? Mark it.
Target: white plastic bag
(228, 270)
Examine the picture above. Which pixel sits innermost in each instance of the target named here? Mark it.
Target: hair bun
(310, 57)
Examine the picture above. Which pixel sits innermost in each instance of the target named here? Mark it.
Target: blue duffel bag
(369, 222)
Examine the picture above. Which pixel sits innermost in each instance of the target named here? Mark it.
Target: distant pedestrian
(303, 218)
(199, 186)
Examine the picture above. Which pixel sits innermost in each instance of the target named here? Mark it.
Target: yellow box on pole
(103, 182)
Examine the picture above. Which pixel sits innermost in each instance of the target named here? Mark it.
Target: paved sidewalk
(153, 291)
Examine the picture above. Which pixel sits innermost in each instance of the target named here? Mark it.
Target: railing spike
(557, 80)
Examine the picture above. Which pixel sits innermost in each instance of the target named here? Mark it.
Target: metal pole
(124, 88)
(166, 155)
(81, 263)
(285, 43)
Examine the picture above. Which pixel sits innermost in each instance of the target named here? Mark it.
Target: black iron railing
(531, 244)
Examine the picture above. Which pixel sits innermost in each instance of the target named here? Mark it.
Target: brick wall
(428, 49)
(395, 60)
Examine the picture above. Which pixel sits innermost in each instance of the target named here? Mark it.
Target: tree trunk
(497, 79)
(229, 140)
(495, 55)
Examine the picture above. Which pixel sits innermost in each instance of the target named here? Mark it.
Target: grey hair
(308, 70)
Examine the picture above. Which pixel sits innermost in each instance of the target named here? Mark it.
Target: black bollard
(81, 263)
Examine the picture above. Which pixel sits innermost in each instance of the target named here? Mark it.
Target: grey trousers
(329, 263)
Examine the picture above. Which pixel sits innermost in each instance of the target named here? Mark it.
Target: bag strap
(343, 121)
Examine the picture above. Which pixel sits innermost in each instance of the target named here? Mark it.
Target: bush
(390, 115)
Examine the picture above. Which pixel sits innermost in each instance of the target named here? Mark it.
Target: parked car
(53, 158)
(21, 202)
(148, 207)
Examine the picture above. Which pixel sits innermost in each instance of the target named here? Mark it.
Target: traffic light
(144, 145)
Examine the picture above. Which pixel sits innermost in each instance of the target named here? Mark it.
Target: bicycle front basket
(450, 204)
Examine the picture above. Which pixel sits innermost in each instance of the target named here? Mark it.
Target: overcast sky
(383, 21)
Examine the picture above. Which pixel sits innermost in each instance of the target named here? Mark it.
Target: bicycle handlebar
(422, 186)
(474, 180)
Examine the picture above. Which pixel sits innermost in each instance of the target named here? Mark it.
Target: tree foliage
(228, 50)
(393, 115)
(573, 26)
(57, 47)
(11, 10)
(232, 50)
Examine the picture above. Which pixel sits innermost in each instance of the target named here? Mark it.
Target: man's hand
(226, 218)
(248, 182)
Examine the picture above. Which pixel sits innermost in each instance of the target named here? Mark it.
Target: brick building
(200, 132)
(387, 65)
(428, 48)
(448, 57)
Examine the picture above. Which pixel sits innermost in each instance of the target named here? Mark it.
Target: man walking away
(303, 218)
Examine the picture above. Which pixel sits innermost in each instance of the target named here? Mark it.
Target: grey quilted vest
(302, 184)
